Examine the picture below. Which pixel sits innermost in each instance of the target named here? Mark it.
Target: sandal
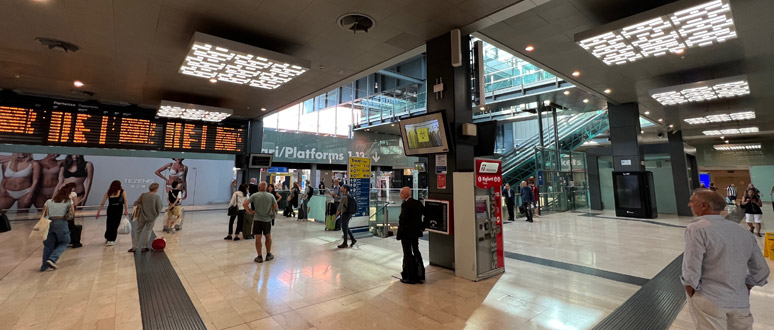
(145, 249)
(132, 250)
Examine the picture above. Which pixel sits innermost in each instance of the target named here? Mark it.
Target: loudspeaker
(240, 161)
(456, 48)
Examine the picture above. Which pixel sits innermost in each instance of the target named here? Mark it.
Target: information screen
(65, 123)
(21, 125)
(185, 136)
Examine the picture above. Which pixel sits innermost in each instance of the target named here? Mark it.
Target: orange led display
(138, 132)
(205, 138)
(20, 125)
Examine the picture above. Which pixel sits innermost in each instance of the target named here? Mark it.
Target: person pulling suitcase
(410, 229)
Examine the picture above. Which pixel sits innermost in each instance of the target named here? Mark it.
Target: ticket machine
(478, 234)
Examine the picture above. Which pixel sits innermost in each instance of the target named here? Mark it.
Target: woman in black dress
(751, 202)
(270, 189)
(116, 198)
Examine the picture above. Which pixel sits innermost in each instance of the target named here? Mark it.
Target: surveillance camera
(660, 135)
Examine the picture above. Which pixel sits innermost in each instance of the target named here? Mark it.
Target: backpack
(351, 206)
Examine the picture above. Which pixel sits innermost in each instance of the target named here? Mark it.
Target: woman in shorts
(751, 203)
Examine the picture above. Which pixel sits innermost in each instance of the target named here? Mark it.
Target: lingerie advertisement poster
(28, 180)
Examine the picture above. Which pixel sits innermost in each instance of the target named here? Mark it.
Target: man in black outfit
(410, 229)
(527, 198)
(510, 200)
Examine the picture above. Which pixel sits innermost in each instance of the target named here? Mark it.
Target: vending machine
(478, 234)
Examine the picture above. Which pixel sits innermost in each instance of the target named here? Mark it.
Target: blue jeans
(56, 242)
(345, 229)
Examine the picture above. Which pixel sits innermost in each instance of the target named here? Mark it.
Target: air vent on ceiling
(58, 44)
(356, 23)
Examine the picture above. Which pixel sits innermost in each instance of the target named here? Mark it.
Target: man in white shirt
(722, 262)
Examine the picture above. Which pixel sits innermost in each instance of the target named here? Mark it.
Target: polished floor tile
(314, 285)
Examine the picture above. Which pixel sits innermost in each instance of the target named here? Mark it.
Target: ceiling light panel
(702, 91)
(667, 29)
(225, 60)
(736, 147)
(712, 133)
(744, 115)
(732, 131)
(721, 118)
(186, 111)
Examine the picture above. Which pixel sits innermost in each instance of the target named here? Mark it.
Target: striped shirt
(731, 191)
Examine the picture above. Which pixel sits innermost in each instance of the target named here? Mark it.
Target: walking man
(731, 193)
(410, 229)
(721, 264)
(527, 198)
(265, 204)
(510, 200)
(347, 209)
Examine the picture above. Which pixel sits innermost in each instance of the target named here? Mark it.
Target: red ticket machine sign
(489, 176)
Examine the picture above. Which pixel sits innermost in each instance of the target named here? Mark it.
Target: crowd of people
(530, 202)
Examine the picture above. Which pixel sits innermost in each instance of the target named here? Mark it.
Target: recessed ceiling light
(642, 132)
(702, 91)
(368, 129)
(213, 80)
(212, 57)
(566, 92)
(727, 141)
(529, 48)
(263, 109)
(663, 30)
(671, 126)
(647, 113)
(393, 125)
(547, 102)
(78, 83)
(585, 100)
(608, 90)
(722, 137)
(172, 109)
(736, 147)
(576, 73)
(482, 108)
(660, 120)
(721, 118)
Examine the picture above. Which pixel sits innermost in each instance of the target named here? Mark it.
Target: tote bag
(40, 231)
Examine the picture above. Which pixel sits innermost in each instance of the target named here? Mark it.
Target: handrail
(386, 203)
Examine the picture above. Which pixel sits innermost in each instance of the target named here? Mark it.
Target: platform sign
(359, 173)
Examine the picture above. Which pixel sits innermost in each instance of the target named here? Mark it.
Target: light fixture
(482, 108)
(576, 73)
(722, 137)
(213, 80)
(671, 126)
(732, 131)
(585, 100)
(393, 125)
(721, 118)
(642, 132)
(187, 111)
(702, 91)
(736, 147)
(529, 48)
(368, 129)
(660, 120)
(78, 83)
(727, 141)
(263, 109)
(547, 102)
(225, 60)
(566, 92)
(667, 29)
(608, 90)
(647, 113)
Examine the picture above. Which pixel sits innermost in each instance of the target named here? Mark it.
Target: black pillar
(455, 102)
(595, 192)
(679, 173)
(255, 146)
(625, 137)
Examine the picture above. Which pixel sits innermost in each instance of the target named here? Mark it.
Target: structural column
(625, 136)
(455, 103)
(680, 172)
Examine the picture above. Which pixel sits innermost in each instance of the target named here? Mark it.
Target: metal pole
(542, 158)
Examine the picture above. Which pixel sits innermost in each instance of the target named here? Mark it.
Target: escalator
(519, 164)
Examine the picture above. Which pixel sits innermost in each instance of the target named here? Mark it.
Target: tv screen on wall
(424, 134)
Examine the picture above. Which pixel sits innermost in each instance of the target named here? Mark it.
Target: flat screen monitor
(487, 138)
(420, 167)
(424, 134)
(260, 160)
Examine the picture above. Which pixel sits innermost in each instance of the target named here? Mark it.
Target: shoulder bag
(69, 215)
(40, 231)
(136, 209)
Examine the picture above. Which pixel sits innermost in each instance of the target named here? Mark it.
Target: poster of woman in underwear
(20, 175)
(76, 169)
(177, 172)
(49, 179)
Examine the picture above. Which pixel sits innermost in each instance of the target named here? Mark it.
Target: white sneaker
(110, 243)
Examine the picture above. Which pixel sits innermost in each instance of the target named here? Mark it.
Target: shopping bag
(40, 231)
(5, 224)
(125, 228)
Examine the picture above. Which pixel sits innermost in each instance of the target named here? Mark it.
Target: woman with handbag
(270, 189)
(56, 209)
(303, 209)
(116, 198)
(237, 211)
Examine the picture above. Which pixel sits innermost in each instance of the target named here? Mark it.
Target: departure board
(21, 125)
(204, 137)
(101, 130)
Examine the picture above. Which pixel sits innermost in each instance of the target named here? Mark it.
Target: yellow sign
(423, 134)
(359, 168)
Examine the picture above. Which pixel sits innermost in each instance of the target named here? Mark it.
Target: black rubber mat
(164, 303)
(593, 215)
(654, 306)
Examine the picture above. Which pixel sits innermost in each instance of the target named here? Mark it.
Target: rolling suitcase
(331, 221)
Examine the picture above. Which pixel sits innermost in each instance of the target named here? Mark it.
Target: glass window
(307, 106)
(288, 119)
(319, 102)
(346, 93)
(270, 121)
(344, 121)
(308, 123)
(333, 98)
(327, 121)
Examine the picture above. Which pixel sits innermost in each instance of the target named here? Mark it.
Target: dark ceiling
(551, 28)
(131, 50)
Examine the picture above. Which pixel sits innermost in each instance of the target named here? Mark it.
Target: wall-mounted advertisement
(28, 180)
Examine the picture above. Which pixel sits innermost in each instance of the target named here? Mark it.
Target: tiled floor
(313, 285)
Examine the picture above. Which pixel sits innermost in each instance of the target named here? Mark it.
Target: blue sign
(540, 178)
(278, 170)
(704, 178)
(361, 192)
